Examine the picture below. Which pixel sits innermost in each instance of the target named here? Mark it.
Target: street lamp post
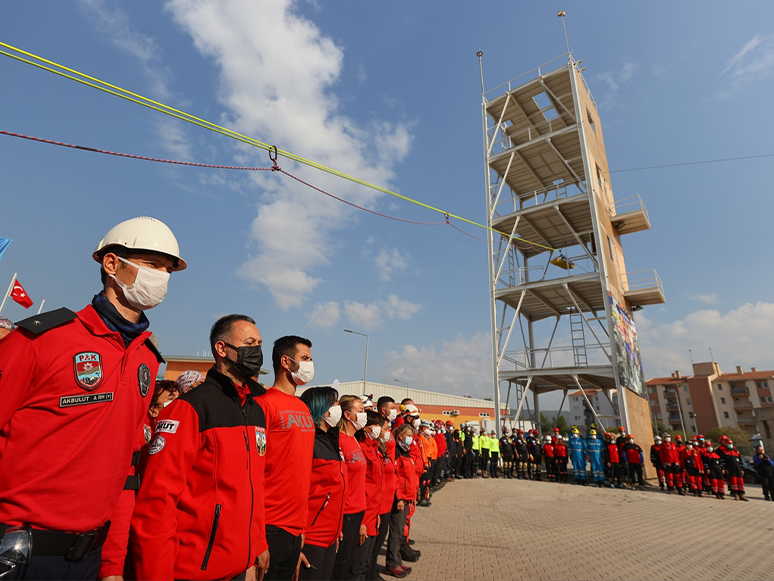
(407, 385)
(365, 372)
(680, 411)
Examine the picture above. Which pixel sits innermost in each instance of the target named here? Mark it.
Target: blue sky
(389, 92)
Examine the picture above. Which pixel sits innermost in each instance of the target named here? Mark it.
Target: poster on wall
(628, 360)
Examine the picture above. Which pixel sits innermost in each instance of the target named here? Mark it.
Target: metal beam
(497, 127)
(572, 298)
(556, 101)
(575, 235)
(550, 341)
(505, 254)
(521, 401)
(502, 184)
(594, 411)
(545, 302)
(564, 161)
(531, 169)
(510, 330)
(538, 232)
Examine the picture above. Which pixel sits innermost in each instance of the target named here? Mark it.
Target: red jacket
(560, 450)
(327, 489)
(390, 482)
(612, 453)
(199, 512)
(548, 450)
(288, 460)
(355, 499)
(408, 485)
(668, 453)
(72, 399)
(373, 485)
(440, 442)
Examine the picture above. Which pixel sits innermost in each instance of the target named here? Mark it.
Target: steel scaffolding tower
(559, 287)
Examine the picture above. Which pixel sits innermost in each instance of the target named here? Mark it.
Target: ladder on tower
(578, 337)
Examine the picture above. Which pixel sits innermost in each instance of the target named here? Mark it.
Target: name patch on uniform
(68, 401)
(168, 426)
(260, 440)
(88, 370)
(143, 379)
(157, 445)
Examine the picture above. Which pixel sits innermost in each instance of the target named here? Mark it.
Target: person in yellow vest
(476, 452)
(483, 441)
(494, 453)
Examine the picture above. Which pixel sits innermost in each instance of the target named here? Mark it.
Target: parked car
(750, 473)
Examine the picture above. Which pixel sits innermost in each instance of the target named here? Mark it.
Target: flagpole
(8, 292)
(43, 302)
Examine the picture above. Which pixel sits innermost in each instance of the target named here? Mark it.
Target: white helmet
(142, 233)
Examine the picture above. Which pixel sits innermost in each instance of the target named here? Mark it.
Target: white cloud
(613, 80)
(461, 367)
(754, 62)
(325, 315)
(112, 22)
(709, 298)
(388, 261)
(365, 316)
(741, 336)
(277, 71)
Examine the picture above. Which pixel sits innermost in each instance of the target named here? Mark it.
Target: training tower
(561, 296)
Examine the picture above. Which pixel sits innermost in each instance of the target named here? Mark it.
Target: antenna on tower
(560, 14)
(712, 357)
(479, 54)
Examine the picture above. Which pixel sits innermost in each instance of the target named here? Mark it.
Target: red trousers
(694, 482)
(736, 484)
(661, 479)
(718, 485)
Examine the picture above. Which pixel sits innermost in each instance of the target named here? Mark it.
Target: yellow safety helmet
(593, 433)
(575, 431)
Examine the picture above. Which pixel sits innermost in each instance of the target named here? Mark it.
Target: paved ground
(514, 529)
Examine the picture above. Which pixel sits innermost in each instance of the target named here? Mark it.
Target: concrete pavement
(514, 529)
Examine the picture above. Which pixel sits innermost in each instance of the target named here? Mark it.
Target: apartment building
(710, 398)
(605, 410)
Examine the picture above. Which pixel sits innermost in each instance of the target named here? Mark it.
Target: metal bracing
(565, 162)
(502, 184)
(556, 100)
(583, 392)
(576, 236)
(572, 298)
(561, 405)
(510, 330)
(499, 124)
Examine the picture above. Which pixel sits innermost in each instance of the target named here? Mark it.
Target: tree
(740, 437)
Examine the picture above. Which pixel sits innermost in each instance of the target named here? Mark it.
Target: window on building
(690, 415)
(758, 384)
(693, 429)
(720, 387)
(722, 400)
(769, 399)
(483, 414)
(725, 415)
(591, 123)
(658, 416)
(766, 384)
(685, 388)
(688, 401)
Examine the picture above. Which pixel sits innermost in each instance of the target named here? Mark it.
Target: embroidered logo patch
(260, 440)
(167, 426)
(157, 445)
(143, 379)
(69, 401)
(88, 370)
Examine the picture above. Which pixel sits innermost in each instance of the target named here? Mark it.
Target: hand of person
(302, 561)
(400, 506)
(263, 565)
(378, 521)
(113, 578)
(363, 535)
(251, 574)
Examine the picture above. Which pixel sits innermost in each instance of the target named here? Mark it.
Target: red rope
(129, 155)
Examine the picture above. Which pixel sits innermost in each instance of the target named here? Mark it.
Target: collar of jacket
(226, 384)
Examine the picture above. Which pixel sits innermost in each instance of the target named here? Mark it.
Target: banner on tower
(627, 352)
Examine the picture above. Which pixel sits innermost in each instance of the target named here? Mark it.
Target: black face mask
(249, 360)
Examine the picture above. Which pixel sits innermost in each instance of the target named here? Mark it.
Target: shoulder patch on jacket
(46, 321)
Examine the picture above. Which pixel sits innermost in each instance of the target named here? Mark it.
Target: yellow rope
(101, 85)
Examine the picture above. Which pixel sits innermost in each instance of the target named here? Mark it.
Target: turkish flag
(20, 295)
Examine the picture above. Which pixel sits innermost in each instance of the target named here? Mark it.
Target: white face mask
(593, 437)
(385, 437)
(148, 289)
(710, 449)
(392, 415)
(305, 372)
(335, 417)
(374, 432)
(416, 423)
(361, 420)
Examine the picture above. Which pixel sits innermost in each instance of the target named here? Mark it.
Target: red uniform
(655, 459)
(288, 460)
(72, 400)
(199, 513)
(355, 499)
(440, 442)
(407, 485)
(713, 469)
(670, 458)
(694, 468)
(732, 463)
(390, 482)
(373, 485)
(327, 489)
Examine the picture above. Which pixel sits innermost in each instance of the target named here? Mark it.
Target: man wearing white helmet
(75, 388)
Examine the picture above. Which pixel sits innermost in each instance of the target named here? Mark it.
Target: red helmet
(723, 439)
(556, 430)
(701, 437)
(449, 423)
(679, 438)
(621, 429)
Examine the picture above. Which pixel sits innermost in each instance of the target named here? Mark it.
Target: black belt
(72, 546)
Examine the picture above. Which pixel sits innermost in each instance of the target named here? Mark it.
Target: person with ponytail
(328, 484)
(353, 418)
(406, 492)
